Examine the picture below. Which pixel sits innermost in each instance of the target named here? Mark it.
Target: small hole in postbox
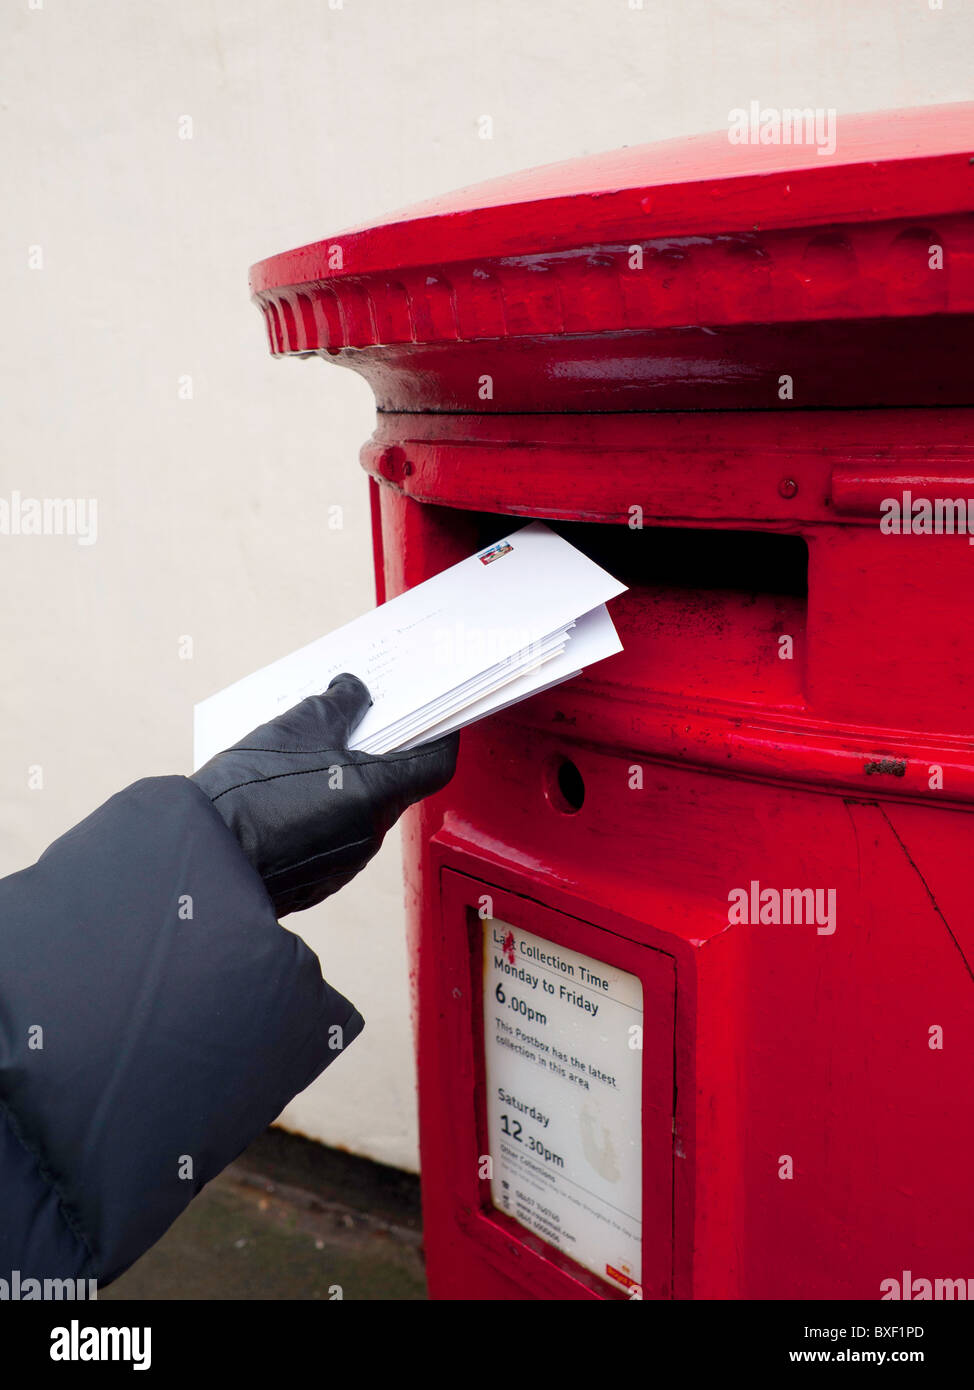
(564, 785)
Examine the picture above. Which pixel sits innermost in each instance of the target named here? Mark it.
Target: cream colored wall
(212, 511)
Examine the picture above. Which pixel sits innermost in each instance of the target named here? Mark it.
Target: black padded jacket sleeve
(154, 1018)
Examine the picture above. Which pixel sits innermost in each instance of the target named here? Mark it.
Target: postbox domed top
(858, 218)
(885, 164)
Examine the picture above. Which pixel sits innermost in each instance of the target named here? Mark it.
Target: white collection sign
(562, 1046)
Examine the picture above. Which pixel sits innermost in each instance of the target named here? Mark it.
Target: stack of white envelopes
(518, 617)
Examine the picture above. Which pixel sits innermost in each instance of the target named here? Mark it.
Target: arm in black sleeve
(154, 1015)
(154, 1018)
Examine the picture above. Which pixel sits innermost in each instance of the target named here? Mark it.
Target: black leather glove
(309, 814)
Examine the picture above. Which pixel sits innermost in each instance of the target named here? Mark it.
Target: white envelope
(482, 634)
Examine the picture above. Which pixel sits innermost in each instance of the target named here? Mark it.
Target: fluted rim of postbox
(730, 235)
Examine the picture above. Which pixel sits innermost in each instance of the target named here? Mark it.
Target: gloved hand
(308, 812)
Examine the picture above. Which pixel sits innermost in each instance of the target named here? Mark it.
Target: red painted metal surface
(641, 411)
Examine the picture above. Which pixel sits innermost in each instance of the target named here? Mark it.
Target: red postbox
(692, 954)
